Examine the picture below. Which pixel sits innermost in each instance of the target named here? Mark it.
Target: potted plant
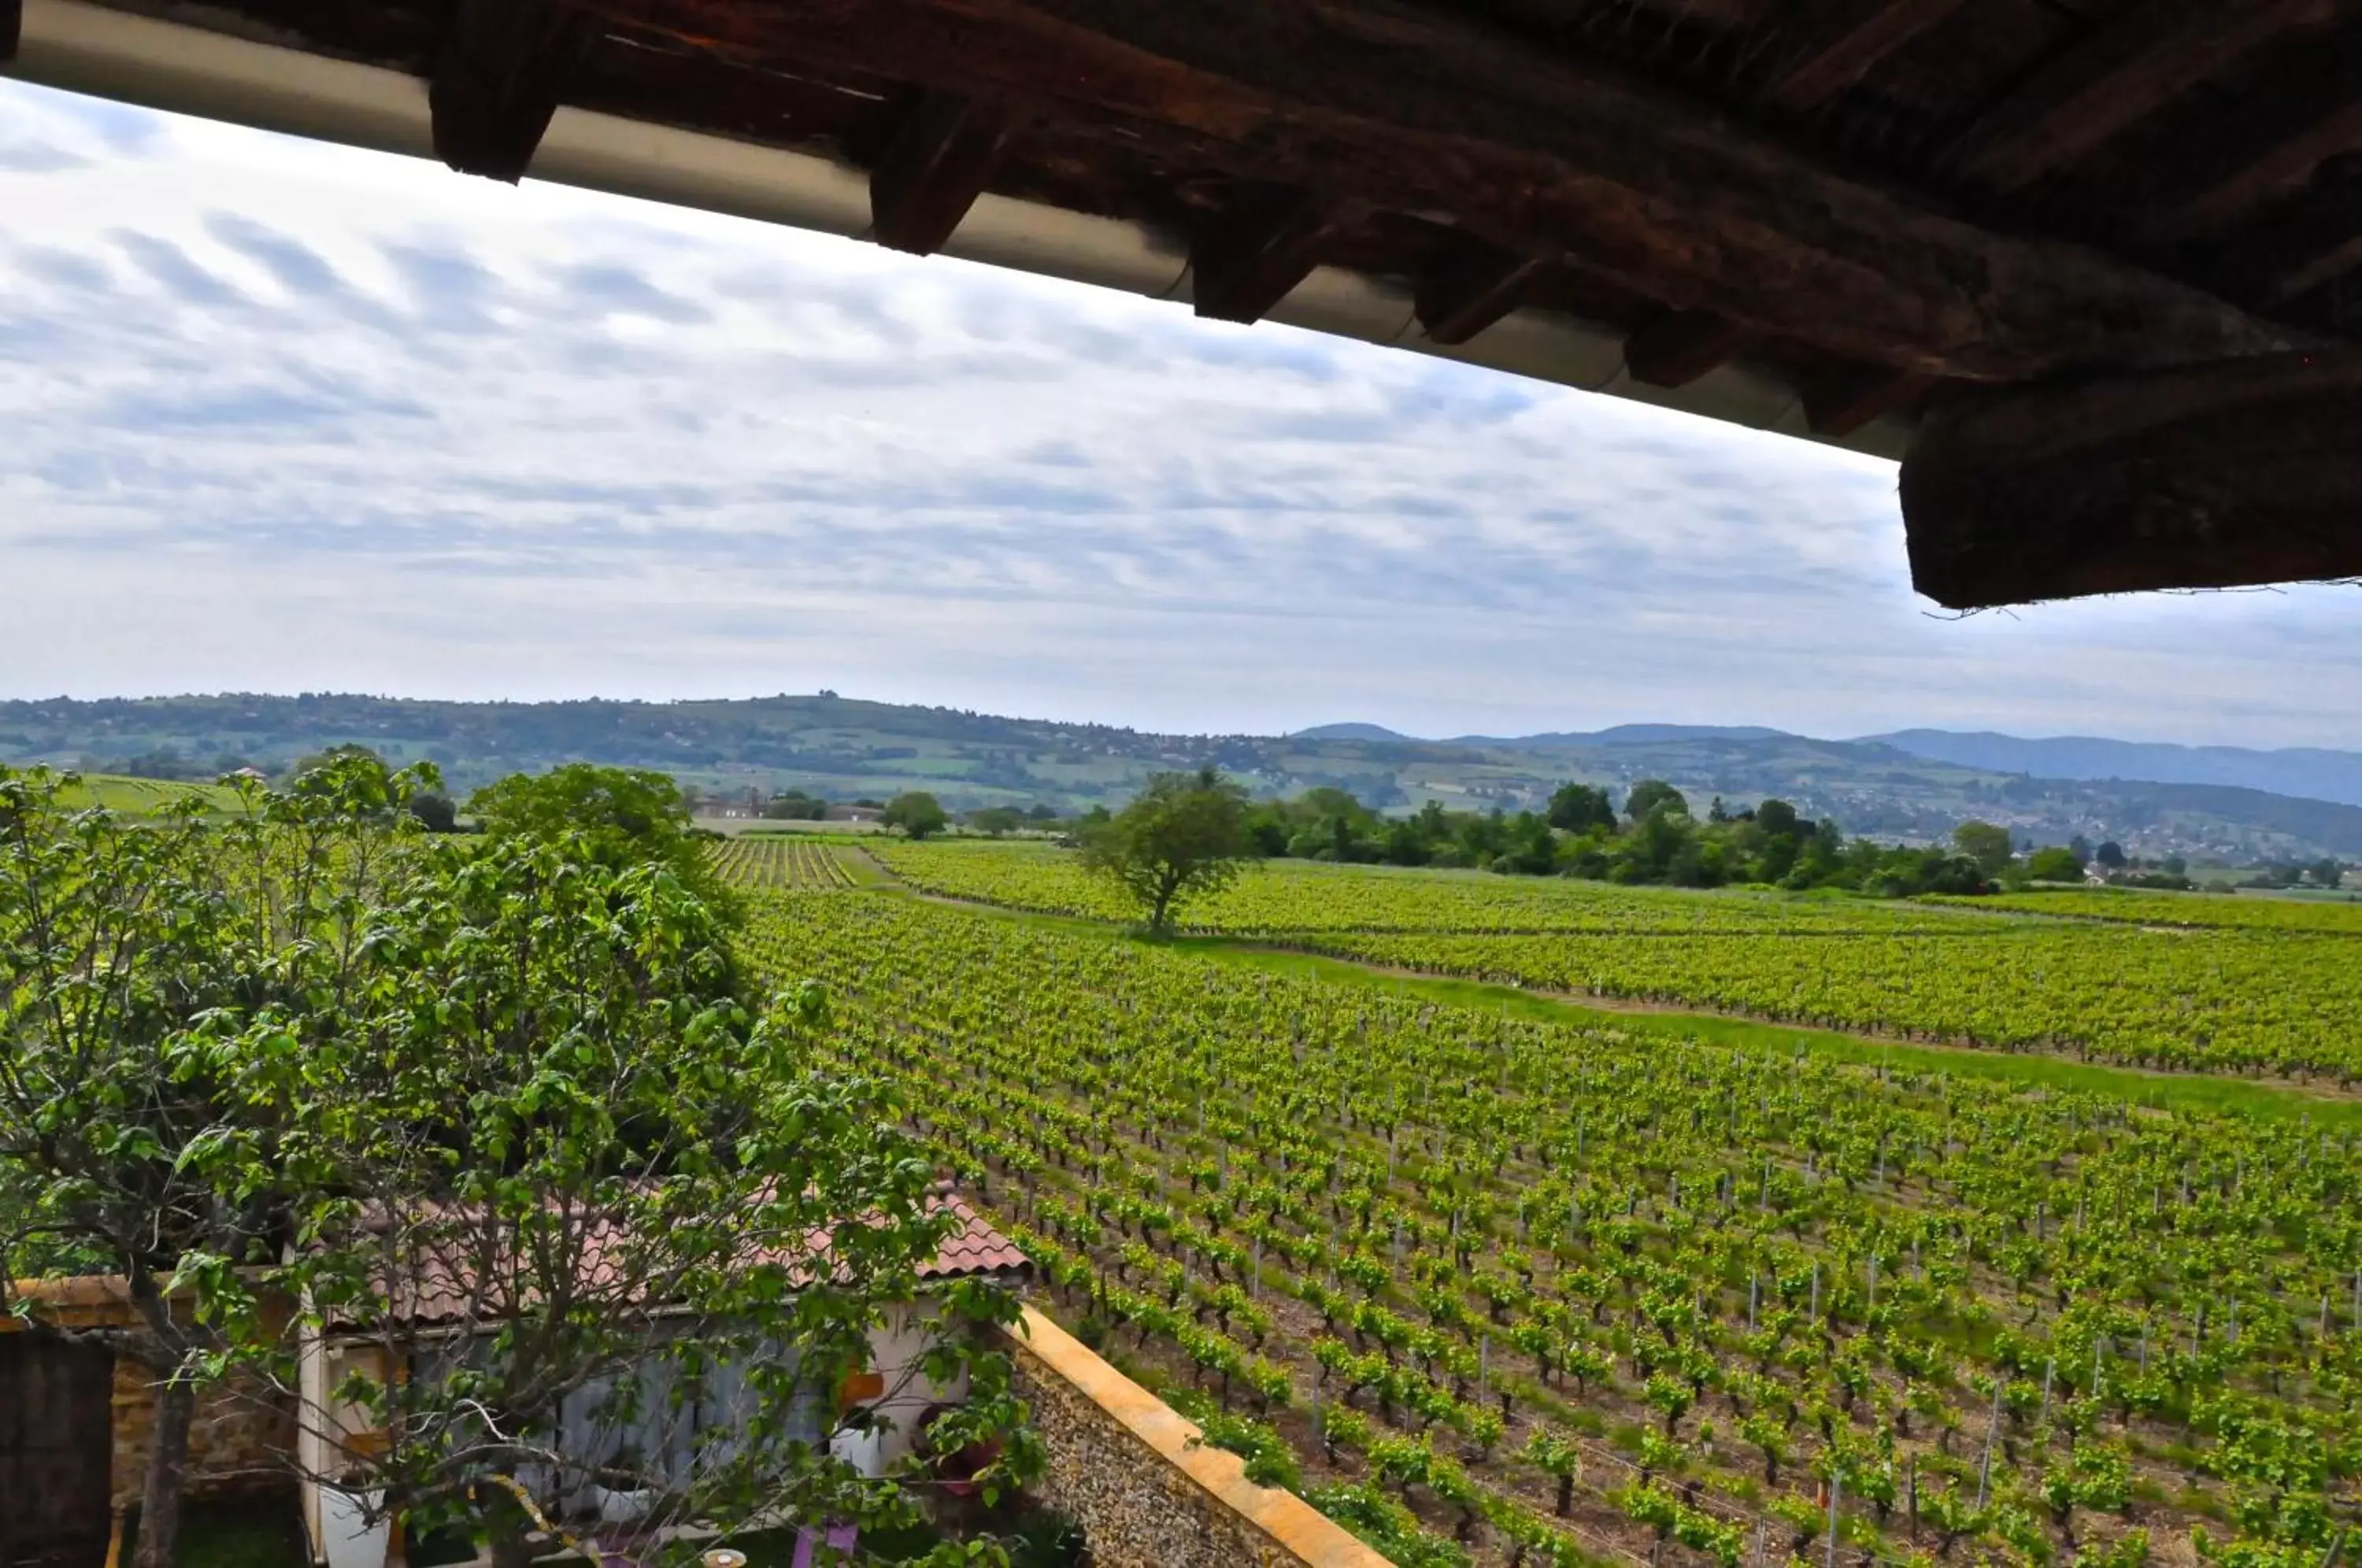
(620, 1489)
(353, 1539)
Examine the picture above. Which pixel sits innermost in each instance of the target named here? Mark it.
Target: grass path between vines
(2173, 1091)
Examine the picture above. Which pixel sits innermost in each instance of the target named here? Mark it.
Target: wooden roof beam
(2304, 242)
(1838, 46)
(1414, 110)
(931, 173)
(1837, 404)
(2113, 78)
(12, 27)
(1680, 346)
(2293, 120)
(2207, 476)
(1472, 288)
(1246, 258)
(498, 75)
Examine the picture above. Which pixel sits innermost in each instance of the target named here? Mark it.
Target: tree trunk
(168, 1464)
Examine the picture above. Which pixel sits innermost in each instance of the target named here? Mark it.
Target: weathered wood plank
(498, 77)
(1680, 346)
(934, 168)
(2211, 476)
(1475, 287)
(2292, 119)
(1414, 112)
(2304, 241)
(1836, 405)
(2118, 74)
(1264, 242)
(1836, 45)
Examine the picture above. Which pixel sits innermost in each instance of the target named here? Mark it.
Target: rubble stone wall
(1124, 1466)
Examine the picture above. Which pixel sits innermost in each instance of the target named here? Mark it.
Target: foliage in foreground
(497, 1109)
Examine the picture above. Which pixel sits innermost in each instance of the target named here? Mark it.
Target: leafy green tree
(336, 1062)
(607, 1176)
(165, 989)
(1184, 834)
(996, 820)
(1649, 794)
(2055, 863)
(2110, 855)
(616, 816)
(1578, 808)
(916, 813)
(1985, 843)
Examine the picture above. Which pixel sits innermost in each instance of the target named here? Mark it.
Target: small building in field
(843, 813)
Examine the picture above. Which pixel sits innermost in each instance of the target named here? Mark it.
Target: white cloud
(285, 416)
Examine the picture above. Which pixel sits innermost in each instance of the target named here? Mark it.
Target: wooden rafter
(12, 27)
(2214, 476)
(1245, 259)
(2306, 241)
(1840, 402)
(498, 77)
(2294, 118)
(2114, 77)
(1472, 288)
(1402, 108)
(934, 168)
(1680, 346)
(1836, 45)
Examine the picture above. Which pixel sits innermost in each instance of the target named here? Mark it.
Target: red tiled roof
(445, 1285)
(975, 1248)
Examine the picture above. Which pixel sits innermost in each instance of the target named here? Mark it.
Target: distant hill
(1632, 734)
(737, 752)
(2314, 774)
(1351, 731)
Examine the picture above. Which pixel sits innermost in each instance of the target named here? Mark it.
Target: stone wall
(238, 1439)
(238, 1442)
(1122, 1466)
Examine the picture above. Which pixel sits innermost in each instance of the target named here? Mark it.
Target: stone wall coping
(1299, 1530)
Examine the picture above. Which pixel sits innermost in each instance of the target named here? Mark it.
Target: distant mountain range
(2315, 774)
(2308, 773)
(2214, 803)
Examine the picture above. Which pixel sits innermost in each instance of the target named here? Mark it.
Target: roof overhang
(222, 75)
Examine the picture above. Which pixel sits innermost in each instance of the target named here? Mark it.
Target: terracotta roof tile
(975, 1248)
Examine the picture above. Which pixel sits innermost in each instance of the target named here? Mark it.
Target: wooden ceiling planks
(1835, 49)
(1401, 107)
(2122, 70)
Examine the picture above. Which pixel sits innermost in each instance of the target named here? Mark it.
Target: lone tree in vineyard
(1186, 833)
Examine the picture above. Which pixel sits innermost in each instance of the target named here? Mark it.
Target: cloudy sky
(282, 416)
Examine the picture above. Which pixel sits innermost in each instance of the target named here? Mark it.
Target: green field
(140, 797)
(1586, 1289)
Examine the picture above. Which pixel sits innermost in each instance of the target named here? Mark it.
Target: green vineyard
(1578, 1296)
(2200, 993)
(782, 862)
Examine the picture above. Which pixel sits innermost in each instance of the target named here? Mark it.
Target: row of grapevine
(780, 862)
(1282, 897)
(2134, 906)
(1569, 1293)
(2274, 1001)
